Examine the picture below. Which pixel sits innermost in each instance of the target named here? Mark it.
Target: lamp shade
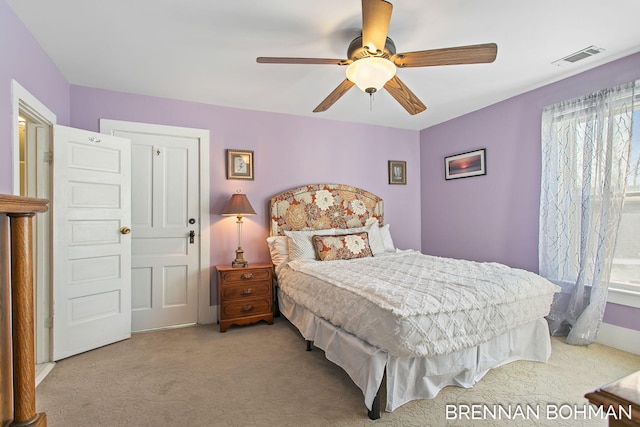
(238, 205)
(371, 73)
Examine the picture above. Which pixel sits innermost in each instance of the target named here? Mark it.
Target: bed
(419, 322)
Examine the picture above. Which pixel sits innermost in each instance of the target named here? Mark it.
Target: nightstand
(245, 295)
(620, 400)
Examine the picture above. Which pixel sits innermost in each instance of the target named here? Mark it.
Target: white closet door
(165, 210)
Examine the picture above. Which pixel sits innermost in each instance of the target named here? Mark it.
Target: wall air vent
(578, 56)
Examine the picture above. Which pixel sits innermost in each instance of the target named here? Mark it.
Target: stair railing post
(24, 381)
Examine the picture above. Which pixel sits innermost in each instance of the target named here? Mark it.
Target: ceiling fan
(372, 60)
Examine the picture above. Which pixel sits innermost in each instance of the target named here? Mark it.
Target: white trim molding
(619, 337)
(624, 295)
(42, 370)
(22, 99)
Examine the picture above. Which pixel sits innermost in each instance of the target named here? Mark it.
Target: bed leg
(309, 345)
(374, 413)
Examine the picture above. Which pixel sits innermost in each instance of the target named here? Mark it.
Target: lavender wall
(289, 151)
(622, 315)
(24, 61)
(495, 217)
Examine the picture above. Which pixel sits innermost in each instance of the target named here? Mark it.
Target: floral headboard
(321, 206)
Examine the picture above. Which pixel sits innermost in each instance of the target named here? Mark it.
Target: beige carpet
(261, 375)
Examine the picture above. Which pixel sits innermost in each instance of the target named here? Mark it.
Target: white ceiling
(205, 50)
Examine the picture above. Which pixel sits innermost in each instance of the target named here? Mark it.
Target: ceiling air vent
(579, 55)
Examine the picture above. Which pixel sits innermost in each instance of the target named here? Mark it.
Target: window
(625, 273)
(586, 155)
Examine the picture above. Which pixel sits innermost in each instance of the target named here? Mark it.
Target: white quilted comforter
(410, 304)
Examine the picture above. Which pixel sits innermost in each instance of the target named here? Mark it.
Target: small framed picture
(465, 165)
(239, 164)
(397, 172)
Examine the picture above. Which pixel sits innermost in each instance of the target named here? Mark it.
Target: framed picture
(397, 172)
(465, 165)
(239, 164)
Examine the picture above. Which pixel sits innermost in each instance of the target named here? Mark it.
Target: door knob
(125, 230)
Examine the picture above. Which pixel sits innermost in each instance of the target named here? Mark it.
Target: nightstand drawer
(245, 295)
(246, 308)
(245, 275)
(232, 291)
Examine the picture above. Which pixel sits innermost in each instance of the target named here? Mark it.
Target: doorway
(32, 126)
(170, 224)
(170, 283)
(34, 130)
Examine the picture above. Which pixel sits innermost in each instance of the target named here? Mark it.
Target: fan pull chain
(371, 101)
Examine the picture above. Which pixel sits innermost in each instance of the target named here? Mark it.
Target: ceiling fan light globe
(371, 73)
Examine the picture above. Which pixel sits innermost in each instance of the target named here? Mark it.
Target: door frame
(206, 312)
(23, 100)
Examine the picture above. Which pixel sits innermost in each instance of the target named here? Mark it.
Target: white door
(165, 211)
(91, 256)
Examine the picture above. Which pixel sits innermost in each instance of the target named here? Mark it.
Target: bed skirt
(412, 378)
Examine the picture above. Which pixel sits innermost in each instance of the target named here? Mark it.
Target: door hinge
(48, 157)
(48, 322)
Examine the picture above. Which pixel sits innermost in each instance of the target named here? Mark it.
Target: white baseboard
(42, 370)
(208, 316)
(619, 337)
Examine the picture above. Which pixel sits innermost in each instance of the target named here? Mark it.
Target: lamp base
(238, 264)
(239, 261)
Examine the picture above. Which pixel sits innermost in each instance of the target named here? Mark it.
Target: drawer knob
(248, 291)
(247, 276)
(247, 308)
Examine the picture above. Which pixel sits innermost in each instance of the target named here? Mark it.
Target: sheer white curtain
(585, 160)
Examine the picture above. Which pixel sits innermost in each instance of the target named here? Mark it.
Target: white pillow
(375, 240)
(300, 244)
(279, 250)
(385, 234)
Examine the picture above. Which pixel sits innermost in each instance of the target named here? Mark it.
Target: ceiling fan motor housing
(357, 51)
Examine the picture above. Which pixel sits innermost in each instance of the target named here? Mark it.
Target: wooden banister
(17, 357)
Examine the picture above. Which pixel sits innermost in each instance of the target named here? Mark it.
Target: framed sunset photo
(465, 165)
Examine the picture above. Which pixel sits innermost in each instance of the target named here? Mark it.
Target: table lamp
(239, 206)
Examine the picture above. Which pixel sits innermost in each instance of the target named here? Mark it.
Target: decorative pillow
(385, 234)
(300, 244)
(342, 246)
(279, 250)
(375, 238)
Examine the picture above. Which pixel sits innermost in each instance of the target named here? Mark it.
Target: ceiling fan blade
(376, 15)
(404, 96)
(272, 60)
(334, 96)
(474, 54)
